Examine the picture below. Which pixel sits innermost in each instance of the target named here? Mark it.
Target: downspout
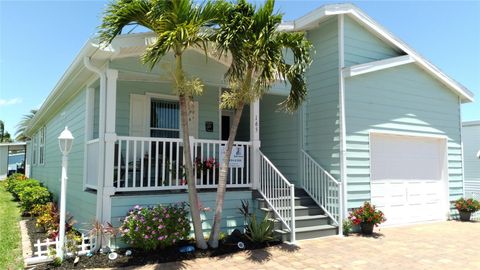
(343, 143)
(101, 136)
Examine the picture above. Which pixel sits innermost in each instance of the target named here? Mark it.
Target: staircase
(310, 219)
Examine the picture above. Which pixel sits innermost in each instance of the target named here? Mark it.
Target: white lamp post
(65, 141)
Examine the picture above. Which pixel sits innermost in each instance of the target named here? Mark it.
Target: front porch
(150, 164)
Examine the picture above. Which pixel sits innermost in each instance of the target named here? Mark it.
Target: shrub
(155, 227)
(33, 195)
(47, 216)
(21, 185)
(367, 214)
(468, 205)
(347, 227)
(259, 232)
(11, 182)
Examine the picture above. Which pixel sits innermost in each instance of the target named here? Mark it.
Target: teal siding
(231, 217)
(207, 105)
(361, 46)
(208, 110)
(404, 99)
(279, 133)
(321, 138)
(194, 64)
(73, 116)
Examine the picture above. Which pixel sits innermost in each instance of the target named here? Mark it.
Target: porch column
(255, 139)
(110, 139)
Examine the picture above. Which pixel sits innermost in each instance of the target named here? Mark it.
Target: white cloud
(12, 101)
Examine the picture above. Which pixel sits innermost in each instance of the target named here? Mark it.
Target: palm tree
(2, 130)
(22, 126)
(258, 61)
(178, 25)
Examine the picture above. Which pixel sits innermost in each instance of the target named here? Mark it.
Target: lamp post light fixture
(65, 141)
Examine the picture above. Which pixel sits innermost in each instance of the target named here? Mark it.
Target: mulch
(140, 257)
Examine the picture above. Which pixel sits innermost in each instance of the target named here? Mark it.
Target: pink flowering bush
(149, 228)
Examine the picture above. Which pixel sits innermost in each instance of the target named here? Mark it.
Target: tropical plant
(178, 26)
(347, 227)
(33, 195)
(101, 232)
(22, 126)
(260, 232)
(467, 205)
(149, 228)
(258, 51)
(19, 186)
(367, 214)
(245, 211)
(13, 180)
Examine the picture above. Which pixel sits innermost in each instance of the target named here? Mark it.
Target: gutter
(101, 136)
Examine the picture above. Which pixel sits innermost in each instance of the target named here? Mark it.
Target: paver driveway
(445, 245)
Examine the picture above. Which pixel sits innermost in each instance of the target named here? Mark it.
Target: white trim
(312, 19)
(151, 95)
(445, 174)
(377, 65)
(89, 115)
(41, 146)
(343, 133)
(406, 133)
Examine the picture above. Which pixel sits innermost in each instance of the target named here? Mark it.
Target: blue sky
(39, 40)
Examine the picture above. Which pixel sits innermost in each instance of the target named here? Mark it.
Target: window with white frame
(34, 149)
(41, 147)
(164, 118)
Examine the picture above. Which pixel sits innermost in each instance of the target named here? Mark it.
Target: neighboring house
(380, 124)
(471, 158)
(12, 156)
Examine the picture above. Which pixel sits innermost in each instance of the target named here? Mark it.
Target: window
(34, 149)
(41, 147)
(164, 119)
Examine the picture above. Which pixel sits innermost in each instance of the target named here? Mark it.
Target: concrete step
(309, 232)
(304, 221)
(299, 200)
(300, 210)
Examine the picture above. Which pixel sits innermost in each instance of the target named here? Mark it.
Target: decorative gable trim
(377, 65)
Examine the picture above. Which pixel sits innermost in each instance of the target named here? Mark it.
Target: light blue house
(380, 124)
(471, 156)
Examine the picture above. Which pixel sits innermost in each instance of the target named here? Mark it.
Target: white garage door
(407, 178)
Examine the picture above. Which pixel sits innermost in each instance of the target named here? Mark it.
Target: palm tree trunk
(192, 190)
(222, 181)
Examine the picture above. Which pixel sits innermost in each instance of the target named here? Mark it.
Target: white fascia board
(377, 65)
(313, 18)
(471, 123)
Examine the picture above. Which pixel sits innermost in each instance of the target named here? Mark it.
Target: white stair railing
(324, 189)
(278, 193)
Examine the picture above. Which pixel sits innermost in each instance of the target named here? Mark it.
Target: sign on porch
(236, 158)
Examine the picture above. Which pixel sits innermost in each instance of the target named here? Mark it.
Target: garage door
(407, 178)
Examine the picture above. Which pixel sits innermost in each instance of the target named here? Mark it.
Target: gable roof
(313, 18)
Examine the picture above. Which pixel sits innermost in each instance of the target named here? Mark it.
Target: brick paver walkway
(445, 245)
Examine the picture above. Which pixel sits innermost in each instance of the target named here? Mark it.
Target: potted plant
(466, 208)
(367, 217)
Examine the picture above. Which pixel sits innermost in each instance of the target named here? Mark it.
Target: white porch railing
(324, 189)
(145, 163)
(92, 163)
(278, 193)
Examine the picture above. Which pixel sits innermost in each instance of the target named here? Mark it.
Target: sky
(40, 39)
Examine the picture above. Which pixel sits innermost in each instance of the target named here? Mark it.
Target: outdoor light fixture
(65, 141)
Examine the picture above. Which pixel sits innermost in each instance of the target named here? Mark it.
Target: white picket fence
(50, 247)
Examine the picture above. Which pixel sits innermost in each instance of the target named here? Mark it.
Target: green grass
(10, 240)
